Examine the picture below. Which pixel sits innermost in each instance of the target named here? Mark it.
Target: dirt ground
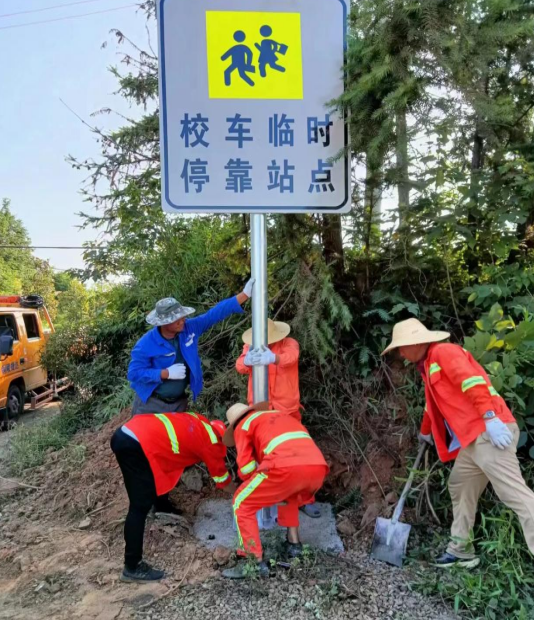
(61, 555)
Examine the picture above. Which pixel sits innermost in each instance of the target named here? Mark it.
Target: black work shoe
(246, 569)
(142, 572)
(311, 510)
(447, 560)
(293, 550)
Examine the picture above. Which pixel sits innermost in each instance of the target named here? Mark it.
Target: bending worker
(280, 464)
(152, 451)
(282, 358)
(165, 361)
(471, 423)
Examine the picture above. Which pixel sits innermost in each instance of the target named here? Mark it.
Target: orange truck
(25, 327)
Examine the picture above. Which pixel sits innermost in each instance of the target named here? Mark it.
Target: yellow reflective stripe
(170, 431)
(471, 382)
(213, 436)
(250, 488)
(274, 443)
(493, 391)
(248, 422)
(220, 479)
(434, 368)
(249, 467)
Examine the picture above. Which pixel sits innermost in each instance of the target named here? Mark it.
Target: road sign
(244, 88)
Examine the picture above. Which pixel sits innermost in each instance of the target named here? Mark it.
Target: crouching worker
(152, 451)
(280, 465)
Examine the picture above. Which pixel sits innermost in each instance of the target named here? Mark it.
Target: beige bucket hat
(413, 331)
(276, 331)
(236, 413)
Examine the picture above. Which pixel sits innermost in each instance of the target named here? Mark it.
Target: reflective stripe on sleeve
(249, 467)
(434, 368)
(471, 382)
(221, 479)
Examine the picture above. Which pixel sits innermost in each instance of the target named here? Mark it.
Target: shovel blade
(390, 541)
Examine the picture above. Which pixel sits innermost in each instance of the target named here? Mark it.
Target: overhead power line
(49, 8)
(60, 19)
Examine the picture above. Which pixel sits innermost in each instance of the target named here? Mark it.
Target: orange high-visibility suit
(458, 391)
(173, 441)
(280, 464)
(284, 394)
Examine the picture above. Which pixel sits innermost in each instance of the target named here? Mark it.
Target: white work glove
(251, 356)
(265, 357)
(248, 287)
(425, 439)
(177, 371)
(499, 434)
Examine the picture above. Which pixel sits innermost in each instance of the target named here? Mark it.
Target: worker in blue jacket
(165, 361)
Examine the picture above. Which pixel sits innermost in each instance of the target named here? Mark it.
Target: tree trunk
(332, 236)
(472, 258)
(372, 206)
(402, 164)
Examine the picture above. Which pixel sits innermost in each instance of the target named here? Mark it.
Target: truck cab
(25, 326)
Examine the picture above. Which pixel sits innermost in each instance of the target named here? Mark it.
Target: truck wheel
(15, 401)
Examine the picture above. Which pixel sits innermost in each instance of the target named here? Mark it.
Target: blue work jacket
(152, 352)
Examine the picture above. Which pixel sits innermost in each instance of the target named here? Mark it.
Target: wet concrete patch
(214, 526)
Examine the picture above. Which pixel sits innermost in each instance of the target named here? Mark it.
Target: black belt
(169, 401)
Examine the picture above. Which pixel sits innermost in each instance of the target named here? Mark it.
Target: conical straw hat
(276, 331)
(234, 414)
(411, 332)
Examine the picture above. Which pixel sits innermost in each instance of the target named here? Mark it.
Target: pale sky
(42, 63)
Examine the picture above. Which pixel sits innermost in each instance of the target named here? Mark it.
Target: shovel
(391, 537)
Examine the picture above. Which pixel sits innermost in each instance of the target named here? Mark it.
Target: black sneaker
(243, 570)
(165, 507)
(142, 572)
(293, 550)
(447, 560)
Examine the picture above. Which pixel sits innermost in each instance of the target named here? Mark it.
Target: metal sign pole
(258, 243)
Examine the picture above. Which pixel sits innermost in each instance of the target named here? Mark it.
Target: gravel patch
(351, 587)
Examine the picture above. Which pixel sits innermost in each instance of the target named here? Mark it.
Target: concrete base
(214, 527)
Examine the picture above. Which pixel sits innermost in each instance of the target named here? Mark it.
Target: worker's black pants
(141, 489)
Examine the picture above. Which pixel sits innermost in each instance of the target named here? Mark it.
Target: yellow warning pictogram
(254, 55)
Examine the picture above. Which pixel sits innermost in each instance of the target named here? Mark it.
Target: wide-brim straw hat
(236, 413)
(411, 332)
(168, 311)
(276, 331)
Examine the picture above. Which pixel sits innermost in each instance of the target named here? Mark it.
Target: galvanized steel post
(258, 243)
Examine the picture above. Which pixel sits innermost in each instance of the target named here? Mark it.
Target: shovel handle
(408, 485)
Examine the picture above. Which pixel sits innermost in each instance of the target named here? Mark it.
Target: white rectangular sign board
(244, 88)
